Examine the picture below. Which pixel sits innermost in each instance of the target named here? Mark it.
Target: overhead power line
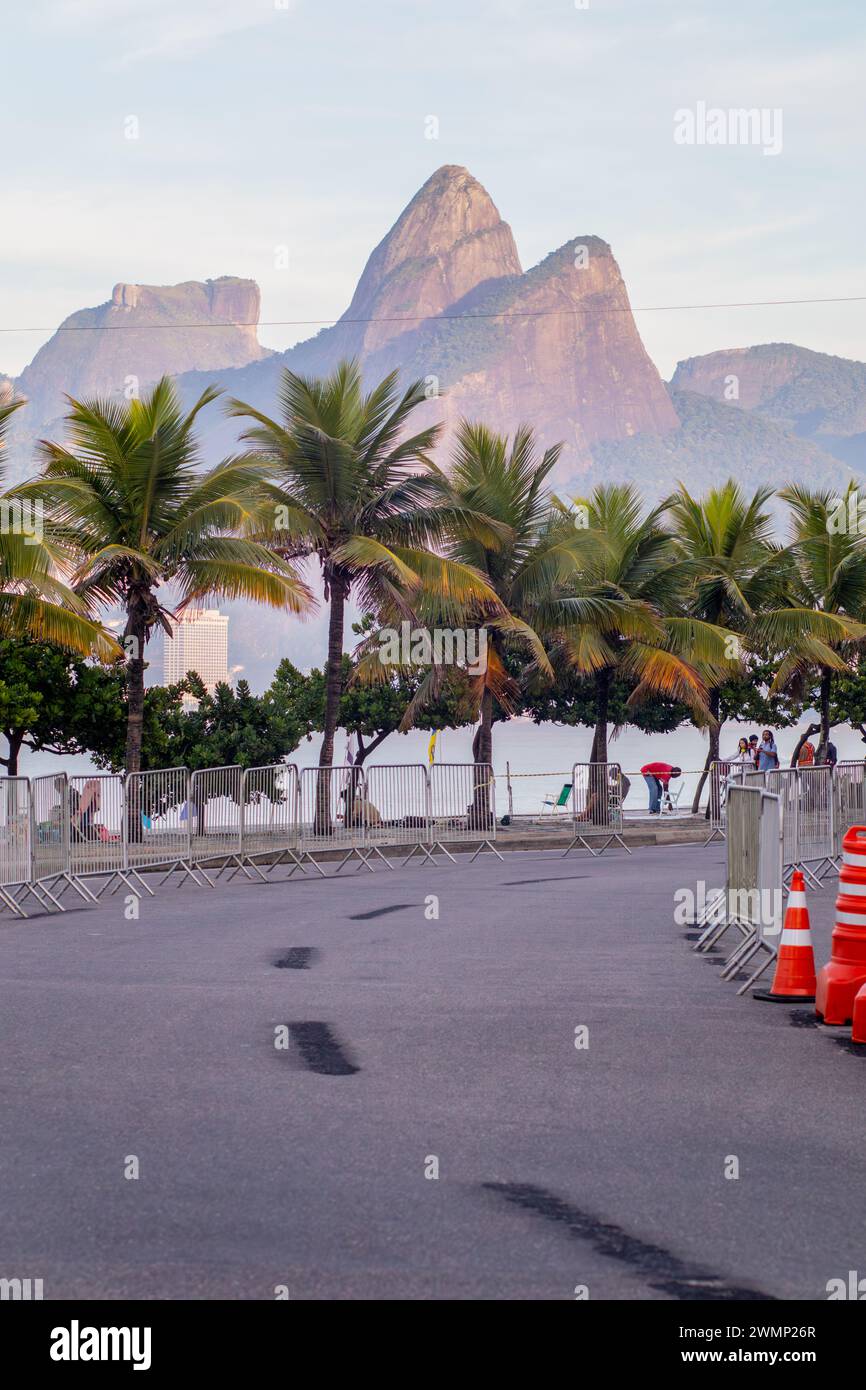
(439, 318)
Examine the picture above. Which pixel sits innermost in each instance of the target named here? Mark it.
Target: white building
(201, 644)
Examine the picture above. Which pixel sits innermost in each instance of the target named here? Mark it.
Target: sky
(304, 124)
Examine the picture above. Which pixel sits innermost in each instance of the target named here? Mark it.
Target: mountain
(172, 329)
(811, 394)
(556, 346)
(443, 297)
(448, 240)
(715, 441)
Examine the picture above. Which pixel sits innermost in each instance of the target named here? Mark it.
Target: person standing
(827, 755)
(806, 756)
(743, 755)
(657, 777)
(768, 757)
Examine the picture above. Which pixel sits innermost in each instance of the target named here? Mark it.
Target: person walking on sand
(657, 777)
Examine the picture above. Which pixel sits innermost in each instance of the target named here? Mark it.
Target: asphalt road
(411, 1040)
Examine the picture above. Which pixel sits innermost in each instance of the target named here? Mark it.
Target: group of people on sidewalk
(762, 755)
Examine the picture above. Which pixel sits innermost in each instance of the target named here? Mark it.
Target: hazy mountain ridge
(716, 441)
(555, 346)
(814, 395)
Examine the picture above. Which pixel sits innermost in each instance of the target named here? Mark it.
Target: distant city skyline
(132, 166)
(199, 643)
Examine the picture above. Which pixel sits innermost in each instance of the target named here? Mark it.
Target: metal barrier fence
(156, 821)
(806, 797)
(722, 776)
(596, 806)
(815, 838)
(752, 900)
(849, 800)
(269, 816)
(14, 842)
(398, 808)
(59, 832)
(462, 807)
(333, 813)
(50, 833)
(215, 818)
(97, 846)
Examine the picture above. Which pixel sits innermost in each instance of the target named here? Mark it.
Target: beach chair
(671, 798)
(557, 803)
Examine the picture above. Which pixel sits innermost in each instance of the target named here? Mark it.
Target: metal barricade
(398, 808)
(815, 837)
(716, 808)
(96, 841)
(14, 842)
(462, 807)
(156, 821)
(215, 818)
(50, 869)
(333, 814)
(596, 806)
(849, 800)
(722, 776)
(753, 891)
(269, 835)
(757, 906)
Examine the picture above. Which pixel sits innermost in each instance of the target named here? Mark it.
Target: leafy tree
(359, 493)
(573, 700)
(34, 602)
(528, 560)
(637, 626)
(725, 541)
(128, 494)
(53, 701)
(820, 625)
(372, 712)
(236, 727)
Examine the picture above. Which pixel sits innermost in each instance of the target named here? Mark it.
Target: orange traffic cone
(858, 1032)
(794, 980)
(841, 978)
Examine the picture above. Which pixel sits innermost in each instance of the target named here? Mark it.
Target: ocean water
(539, 757)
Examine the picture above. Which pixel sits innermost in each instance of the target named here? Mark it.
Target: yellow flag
(431, 748)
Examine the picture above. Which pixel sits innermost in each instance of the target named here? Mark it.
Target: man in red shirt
(657, 776)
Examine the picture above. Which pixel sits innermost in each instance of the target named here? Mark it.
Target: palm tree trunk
(826, 685)
(602, 703)
(337, 589)
(714, 702)
(482, 756)
(134, 635)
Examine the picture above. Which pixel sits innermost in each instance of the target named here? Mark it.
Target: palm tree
(360, 493)
(529, 560)
(731, 566)
(823, 581)
(640, 629)
(34, 602)
(128, 493)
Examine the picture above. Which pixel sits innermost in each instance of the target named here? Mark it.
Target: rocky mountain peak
(143, 332)
(447, 241)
